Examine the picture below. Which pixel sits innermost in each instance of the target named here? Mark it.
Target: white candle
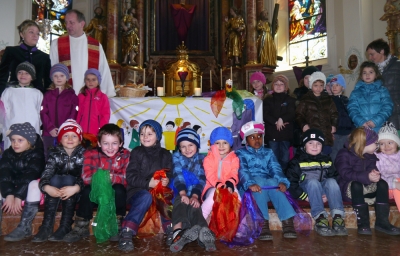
(134, 77)
(340, 62)
(160, 91)
(144, 76)
(163, 81)
(210, 81)
(220, 73)
(231, 73)
(155, 78)
(201, 82)
(197, 91)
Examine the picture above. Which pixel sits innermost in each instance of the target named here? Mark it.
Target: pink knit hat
(258, 76)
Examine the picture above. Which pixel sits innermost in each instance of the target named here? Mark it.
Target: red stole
(64, 53)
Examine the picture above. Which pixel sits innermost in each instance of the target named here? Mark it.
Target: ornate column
(260, 8)
(103, 5)
(251, 45)
(224, 13)
(140, 18)
(112, 31)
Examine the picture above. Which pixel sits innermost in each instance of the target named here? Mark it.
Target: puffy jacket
(391, 81)
(218, 171)
(319, 113)
(60, 163)
(258, 163)
(17, 170)
(344, 123)
(370, 102)
(305, 166)
(58, 107)
(94, 110)
(389, 167)
(353, 168)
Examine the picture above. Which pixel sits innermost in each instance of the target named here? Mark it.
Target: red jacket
(218, 170)
(94, 110)
(95, 159)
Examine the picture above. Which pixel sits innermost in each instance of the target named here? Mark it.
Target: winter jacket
(319, 113)
(95, 159)
(389, 167)
(195, 166)
(275, 106)
(94, 110)
(60, 163)
(57, 108)
(258, 162)
(370, 102)
(17, 170)
(218, 171)
(143, 163)
(300, 92)
(15, 55)
(353, 168)
(304, 167)
(391, 81)
(344, 124)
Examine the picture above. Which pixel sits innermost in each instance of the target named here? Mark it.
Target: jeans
(60, 181)
(281, 151)
(316, 189)
(140, 203)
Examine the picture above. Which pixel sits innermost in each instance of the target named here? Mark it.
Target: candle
(160, 91)
(340, 62)
(197, 91)
(220, 73)
(134, 77)
(144, 76)
(201, 82)
(163, 81)
(155, 78)
(210, 81)
(231, 73)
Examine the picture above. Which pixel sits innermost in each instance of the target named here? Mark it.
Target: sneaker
(338, 225)
(125, 240)
(184, 237)
(322, 227)
(207, 238)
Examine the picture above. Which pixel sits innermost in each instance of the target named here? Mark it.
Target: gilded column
(112, 31)
(103, 5)
(140, 17)
(251, 44)
(260, 8)
(224, 13)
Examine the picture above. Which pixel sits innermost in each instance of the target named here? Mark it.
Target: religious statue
(130, 38)
(392, 16)
(265, 43)
(236, 34)
(97, 26)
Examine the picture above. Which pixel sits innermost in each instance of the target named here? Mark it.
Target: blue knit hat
(221, 133)
(188, 134)
(155, 125)
(338, 79)
(59, 67)
(95, 72)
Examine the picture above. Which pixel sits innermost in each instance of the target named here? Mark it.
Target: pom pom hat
(315, 77)
(389, 132)
(70, 126)
(250, 128)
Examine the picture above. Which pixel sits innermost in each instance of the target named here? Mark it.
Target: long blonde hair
(357, 141)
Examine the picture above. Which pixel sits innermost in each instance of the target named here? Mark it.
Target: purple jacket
(58, 107)
(353, 168)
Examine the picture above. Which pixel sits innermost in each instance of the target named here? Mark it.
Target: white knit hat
(389, 132)
(316, 76)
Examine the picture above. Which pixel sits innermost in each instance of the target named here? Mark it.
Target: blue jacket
(370, 102)
(258, 162)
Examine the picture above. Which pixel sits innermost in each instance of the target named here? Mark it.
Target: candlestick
(134, 77)
(155, 78)
(197, 91)
(231, 73)
(210, 81)
(340, 62)
(163, 81)
(160, 91)
(201, 82)
(144, 76)
(220, 73)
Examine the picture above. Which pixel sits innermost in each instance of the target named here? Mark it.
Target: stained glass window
(307, 31)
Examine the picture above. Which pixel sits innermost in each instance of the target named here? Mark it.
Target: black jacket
(391, 80)
(17, 170)
(59, 163)
(344, 124)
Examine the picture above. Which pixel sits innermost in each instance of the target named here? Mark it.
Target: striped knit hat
(95, 72)
(370, 136)
(59, 67)
(70, 126)
(28, 67)
(155, 125)
(190, 135)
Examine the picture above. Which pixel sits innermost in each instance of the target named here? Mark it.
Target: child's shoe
(184, 237)
(338, 225)
(322, 226)
(207, 238)
(265, 232)
(24, 228)
(119, 223)
(288, 228)
(382, 223)
(125, 240)
(68, 209)
(81, 230)
(170, 235)
(362, 214)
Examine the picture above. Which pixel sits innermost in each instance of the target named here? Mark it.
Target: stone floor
(306, 244)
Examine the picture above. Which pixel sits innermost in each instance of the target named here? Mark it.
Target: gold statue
(97, 26)
(265, 43)
(236, 34)
(130, 38)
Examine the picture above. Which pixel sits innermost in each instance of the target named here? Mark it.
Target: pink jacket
(94, 110)
(218, 170)
(389, 167)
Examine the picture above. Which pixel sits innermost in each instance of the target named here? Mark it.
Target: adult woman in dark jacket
(26, 51)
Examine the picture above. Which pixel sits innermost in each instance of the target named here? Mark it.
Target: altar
(174, 113)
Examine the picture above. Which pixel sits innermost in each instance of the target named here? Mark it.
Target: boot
(24, 228)
(81, 230)
(322, 226)
(68, 208)
(265, 232)
(362, 213)
(119, 222)
(1, 212)
(288, 228)
(50, 209)
(382, 223)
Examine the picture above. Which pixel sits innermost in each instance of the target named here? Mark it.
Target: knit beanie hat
(25, 130)
(95, 72)
(317, 76)
(59, 67)
(258, 76)
(250, 128)
(370, 136)
(221, 133)
(308, 71)
(70, 126)
(190, 135)
(28, 67)
(283, 79)
(155, 125)
(338, 79)
(313, 134)
(389, 132)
